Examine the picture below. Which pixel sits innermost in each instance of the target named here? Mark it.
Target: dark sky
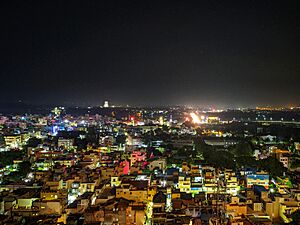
(216, 53)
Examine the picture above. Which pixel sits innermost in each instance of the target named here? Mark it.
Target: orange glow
(195, 118)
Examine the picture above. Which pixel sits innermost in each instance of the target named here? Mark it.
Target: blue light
(54, 130)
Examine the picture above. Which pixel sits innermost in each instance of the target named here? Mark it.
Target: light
(195, 118)
(71, 198)
(161, 120)
(55, 130)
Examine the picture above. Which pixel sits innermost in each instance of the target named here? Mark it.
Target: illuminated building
(65, 143)
(218, 141)
(134, 140)
(213, 119)
(137, 156)
(57, 111)
(182, 142)
(42, 121)
(13, 141)
(297, 146)
(105, 104)
(281, 207)
(161, 120)
(158, 164)
(159, 215)
(196, 179)
(184, 183)
(134, 188)
(25, 198)
(210, 184)
(282, 156)
(115, 181)
(236, 209)
(231, 182)
(258, 179)
(132, 192)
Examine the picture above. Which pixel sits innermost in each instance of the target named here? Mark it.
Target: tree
(242, 149)
(165, 128)
(220, 159)
(33, 142)
(156, 153)
(24, 168)
(121, 139)
(7, 158)
(92, 136)
(246, 161)
(295, 162)
(162, 135)
(273, 166)
(81, 143)
(295, 217)
(201, 146)
(2, 141)
(148, 138)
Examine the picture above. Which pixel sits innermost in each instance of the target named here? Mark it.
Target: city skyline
(7, 106)
(150, 112)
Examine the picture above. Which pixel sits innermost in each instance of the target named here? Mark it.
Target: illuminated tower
(105, 105)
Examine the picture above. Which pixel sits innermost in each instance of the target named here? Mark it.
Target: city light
(195, 118)
(146, 113)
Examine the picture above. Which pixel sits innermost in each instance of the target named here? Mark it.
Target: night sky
(207, 53)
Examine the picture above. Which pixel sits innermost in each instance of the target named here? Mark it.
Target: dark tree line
(238, 156)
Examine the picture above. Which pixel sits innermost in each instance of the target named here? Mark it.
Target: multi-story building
(262, 179)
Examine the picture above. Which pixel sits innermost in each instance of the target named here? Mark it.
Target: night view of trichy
(150, 112)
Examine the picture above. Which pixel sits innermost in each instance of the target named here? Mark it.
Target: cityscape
(150, 112)
(132, 165)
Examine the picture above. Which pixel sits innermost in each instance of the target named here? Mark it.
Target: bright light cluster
(195, 118)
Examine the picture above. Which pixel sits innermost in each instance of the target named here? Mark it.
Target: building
(65, 143)
(282, 156)
(105, 104)
(258, 179)
(13, 140)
